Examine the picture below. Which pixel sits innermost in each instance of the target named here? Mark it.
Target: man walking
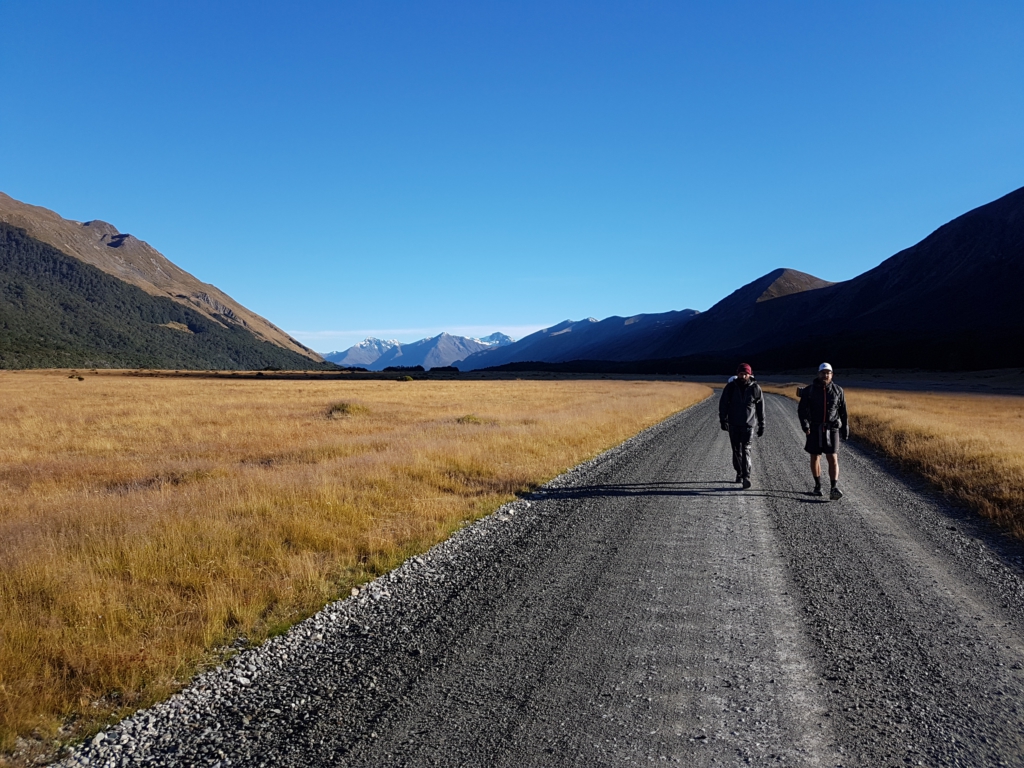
(740, 407)
(822, 413)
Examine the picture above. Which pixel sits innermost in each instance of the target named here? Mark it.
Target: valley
(150, 520)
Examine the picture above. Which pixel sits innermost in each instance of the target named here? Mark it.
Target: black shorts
(822, 440)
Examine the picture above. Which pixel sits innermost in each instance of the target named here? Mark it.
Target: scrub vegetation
(970, 446)
(148, 522)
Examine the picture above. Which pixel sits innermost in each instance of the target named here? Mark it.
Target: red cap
(744, 368)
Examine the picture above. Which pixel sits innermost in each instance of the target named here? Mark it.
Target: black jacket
(821, 405)
(742, 405)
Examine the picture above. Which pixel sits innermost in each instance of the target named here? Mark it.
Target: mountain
(135, 262)
(363, 354)
(614, 338)
(56, 311)
(948, 303)
(437, 351)
(496, 340)
(732, 321)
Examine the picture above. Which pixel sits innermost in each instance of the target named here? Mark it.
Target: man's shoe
(746, 484)
(817, 491)
(739, 477)
(836, 494)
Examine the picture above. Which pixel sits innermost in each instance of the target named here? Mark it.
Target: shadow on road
(704, 488)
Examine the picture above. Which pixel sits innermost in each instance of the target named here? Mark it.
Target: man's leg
(736, 463)
(745, 458)
(741, 454)
(742, 438)
(816, 471)
(833, 475)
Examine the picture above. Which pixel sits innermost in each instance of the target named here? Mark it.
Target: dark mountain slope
(948, 302)
(57, 311)
(536, 346)
(963, 276)
(518, 351)
(614, 338)
(736, 318)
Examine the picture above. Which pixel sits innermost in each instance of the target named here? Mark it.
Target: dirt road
(645, 609)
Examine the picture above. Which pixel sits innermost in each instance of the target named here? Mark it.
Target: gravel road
(642, 608)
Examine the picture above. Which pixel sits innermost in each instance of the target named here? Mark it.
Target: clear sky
(399, 169)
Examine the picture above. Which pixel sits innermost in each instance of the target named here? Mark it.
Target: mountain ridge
(433, 352)
(947, 302)
(127, 258)
(57, 311)
(611, 339)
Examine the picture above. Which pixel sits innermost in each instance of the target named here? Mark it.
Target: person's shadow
(677, 488)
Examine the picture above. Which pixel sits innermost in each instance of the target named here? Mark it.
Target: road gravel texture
(642, 608)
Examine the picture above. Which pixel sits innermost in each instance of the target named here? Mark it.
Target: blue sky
(400, 169)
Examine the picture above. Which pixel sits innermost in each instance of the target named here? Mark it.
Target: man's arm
(845, 429)
(723, 406)
(803, 411)
(759, 410)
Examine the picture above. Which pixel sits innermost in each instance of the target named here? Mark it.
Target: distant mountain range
(83, 294)
(948, 302)
(614, 338)
(441, 350)
(76, 294)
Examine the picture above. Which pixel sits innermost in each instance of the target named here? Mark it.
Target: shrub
(335, 410)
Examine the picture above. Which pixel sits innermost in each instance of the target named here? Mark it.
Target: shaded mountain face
(947, 302)
(135, 262)
(56, 311)
(734, 320)
(441, 350)
(614, 338)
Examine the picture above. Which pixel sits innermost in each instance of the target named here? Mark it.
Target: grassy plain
(970, 446)
(147, 521)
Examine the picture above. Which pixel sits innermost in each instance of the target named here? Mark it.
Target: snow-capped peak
(496, 340)
(381, 344)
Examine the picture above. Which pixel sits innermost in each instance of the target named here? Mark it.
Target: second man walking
(739, 409)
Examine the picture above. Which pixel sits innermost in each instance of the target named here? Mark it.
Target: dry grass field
(970, 446)
(147, 522)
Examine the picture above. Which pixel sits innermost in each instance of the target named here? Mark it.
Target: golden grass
(147, 521)
(971, 446)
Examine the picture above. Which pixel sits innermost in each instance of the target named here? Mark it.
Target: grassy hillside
(58, 312)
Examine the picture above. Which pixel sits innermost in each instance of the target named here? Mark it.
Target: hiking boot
(836, 494)
(817, 491)
(746, 484)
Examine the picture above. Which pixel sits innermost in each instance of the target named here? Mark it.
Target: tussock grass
(336, 410)
(147, 522)
(970, 446)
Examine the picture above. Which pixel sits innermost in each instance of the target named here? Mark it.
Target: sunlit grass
(147, 521)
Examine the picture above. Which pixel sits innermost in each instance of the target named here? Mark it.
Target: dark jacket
(823, 406)
(742, 405)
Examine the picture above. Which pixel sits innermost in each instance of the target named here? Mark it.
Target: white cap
(824, 367)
